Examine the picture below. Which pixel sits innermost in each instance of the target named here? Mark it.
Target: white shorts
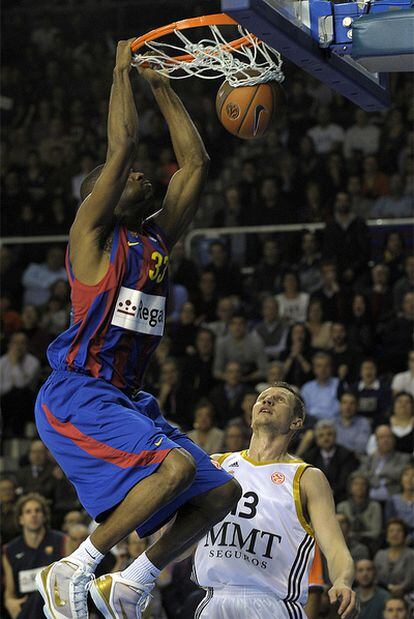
(246, 603)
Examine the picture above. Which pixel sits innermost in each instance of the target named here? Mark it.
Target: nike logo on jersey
(132, 243)
(256, 117)
(158, 443)
(19, 555)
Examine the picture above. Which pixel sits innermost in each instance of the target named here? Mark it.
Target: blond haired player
(256, 562)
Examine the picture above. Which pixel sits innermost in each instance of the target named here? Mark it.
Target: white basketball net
(252, 63)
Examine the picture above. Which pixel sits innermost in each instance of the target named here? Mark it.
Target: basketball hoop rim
(217, 19)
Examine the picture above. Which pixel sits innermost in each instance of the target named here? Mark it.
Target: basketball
(247, 111)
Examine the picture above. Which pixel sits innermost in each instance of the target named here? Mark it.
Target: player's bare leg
(71, 575)
(128, 591)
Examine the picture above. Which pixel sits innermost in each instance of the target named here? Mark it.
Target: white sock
(141, 570)
(88, 554)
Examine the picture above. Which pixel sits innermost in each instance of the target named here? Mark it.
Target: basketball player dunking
(255, 564)
(131, 469)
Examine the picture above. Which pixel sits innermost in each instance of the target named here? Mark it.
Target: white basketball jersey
(265, 542)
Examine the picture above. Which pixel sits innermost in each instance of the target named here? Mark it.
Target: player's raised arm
(181, 200)
(97, 208)
(321, 508)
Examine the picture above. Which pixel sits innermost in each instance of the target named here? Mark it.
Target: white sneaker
(118, 598)
(63, 586)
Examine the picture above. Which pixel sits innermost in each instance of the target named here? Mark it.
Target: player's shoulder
(220, 458)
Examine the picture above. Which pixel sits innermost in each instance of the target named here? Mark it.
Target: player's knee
(226, 497)
(178, 470)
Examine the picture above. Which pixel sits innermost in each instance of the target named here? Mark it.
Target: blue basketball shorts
(106, 443)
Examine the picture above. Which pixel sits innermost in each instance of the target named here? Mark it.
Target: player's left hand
(154, 78)
(348, 607)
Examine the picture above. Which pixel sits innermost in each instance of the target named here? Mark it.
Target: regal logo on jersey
(140, 312)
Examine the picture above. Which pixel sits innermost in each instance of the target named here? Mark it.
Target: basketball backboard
(304, 33)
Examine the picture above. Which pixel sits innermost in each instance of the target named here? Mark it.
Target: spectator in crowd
(235, 439)
(225, 310)
(19, 373)
(267, 273)
(404, 381)
(313, 207)
(293, 304)
(245, 419)
(395, 336)
(384, 467)
(320, 394)
(10, 276)
(395, 204)
(152, 379)
(374, 395)
(362, 137)
(55, 317)
(275, 373)
(8, 499)
(335, 461)
(198, 364)
(401, 505)
(272, 204)
(401, 423)
(205, 433)
(71, 518)
(394, 565)
(345, 360)
(227, 274)
(405, 284)
(326, 135)
(360, 205)
(331, 295)
(352, 430)
(272, 329)
(358, 551)
(372, 598)
(395, 608)
(183, 332)
(296, 356)
(319, 328)
(38, 278)
(379, 293)
(38, 475)
(9, 317)
(394, 255)
(64, 497)
(309, 265)
(172, 396)
(346, 240)
(76, 534)
(36, 547)
(205, 298)
(375, 183)
(37, 338)
(245, 348)
(359, 328)
(228, 396)
(183, 270)
(364, 514)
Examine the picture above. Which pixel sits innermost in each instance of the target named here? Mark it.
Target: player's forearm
(340, 566)
(187, 143)
(122, 117)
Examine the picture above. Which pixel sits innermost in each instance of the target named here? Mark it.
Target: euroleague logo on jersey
(278, 478)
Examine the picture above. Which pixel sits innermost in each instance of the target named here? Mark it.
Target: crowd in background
(331, 311)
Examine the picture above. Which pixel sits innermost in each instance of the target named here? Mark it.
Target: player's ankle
(141, 570)
(88, 553)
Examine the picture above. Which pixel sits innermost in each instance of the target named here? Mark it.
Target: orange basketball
(247, 111)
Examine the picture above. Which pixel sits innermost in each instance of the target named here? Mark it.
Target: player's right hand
(346, 597)
(123, 55)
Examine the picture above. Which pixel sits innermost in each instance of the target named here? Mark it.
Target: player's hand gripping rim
(348, 603)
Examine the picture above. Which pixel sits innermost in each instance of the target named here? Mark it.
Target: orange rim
(218, 19)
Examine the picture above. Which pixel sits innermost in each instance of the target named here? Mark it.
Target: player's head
(136, 201)
(278, 410)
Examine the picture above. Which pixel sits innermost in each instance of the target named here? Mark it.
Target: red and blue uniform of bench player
(105, 432)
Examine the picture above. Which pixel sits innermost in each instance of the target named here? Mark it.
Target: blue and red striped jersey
(117, 323)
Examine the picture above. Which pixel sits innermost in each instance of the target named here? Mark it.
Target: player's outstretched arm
(321, 508)
(97, 209)
(181, 200)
